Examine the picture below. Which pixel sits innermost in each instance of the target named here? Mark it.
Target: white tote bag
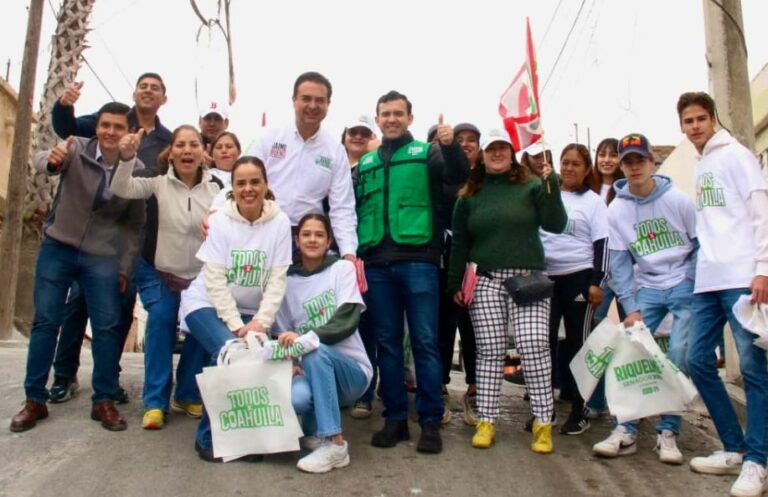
(590, 362)
(248, 401)
(641, 381)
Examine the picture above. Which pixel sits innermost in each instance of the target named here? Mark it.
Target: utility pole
(8, 69)
(729, 86)
(10, 240)
(576, 129)
(728, 75)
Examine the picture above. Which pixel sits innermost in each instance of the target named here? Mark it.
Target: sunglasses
(361, 132)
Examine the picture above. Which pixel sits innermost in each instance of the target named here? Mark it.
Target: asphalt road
(69, 455)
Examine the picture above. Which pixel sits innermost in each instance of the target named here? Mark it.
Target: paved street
(68, 455)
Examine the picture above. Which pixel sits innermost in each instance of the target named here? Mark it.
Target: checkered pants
(491, 311)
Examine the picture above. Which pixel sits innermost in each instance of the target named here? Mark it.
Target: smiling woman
(183, 195)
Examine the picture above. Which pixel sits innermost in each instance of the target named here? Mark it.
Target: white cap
(362, 121)
(493, 136)
(215, 107)
(534, 149)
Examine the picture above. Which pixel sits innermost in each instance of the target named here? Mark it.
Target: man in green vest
(398, 195)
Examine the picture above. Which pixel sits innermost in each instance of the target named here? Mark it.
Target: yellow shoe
(190, 409)
(154, 419)
(542, 437)
(485, 434)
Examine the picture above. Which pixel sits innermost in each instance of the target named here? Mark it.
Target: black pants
(451, 316)
(569, 303)
(72, 333)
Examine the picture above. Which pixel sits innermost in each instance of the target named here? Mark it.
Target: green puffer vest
(395, 198)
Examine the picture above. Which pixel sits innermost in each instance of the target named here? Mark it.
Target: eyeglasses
(361, 132)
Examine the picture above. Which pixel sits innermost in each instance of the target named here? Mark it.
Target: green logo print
(319, 311)
(324, 161)
(250, 409)
(248, 268)
(707, 195)
(654, 235)
(597, 364)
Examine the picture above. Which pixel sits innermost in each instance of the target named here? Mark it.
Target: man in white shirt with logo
(732, 229)
(306, 164)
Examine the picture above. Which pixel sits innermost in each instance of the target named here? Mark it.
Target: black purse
(529, 287)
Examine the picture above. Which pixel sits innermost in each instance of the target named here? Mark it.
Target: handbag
(248, 401)
(641, 381)
(529, 287)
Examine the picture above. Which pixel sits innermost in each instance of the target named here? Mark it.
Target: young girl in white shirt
(323, 299)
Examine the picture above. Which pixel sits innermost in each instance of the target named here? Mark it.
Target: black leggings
(569, 303)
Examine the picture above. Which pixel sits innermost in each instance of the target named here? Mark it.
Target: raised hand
(60, 152)
(71, 94)
(129, 144)
(444, 131)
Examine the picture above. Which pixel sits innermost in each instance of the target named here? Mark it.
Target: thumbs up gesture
(129, 144)
(71, 94)
(444, 131)
(60, 152)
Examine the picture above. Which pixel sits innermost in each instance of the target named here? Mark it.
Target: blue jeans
(367, 334)
(211, 334)
(710, 312)
(58, 266)
(654, 306)
(162, 305)
(67, 360)
(330, 380)
(410, 288)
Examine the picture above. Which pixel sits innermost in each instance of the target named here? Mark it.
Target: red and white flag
(519, 105)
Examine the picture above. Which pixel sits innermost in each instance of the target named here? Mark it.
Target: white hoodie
(245, 265)
(731, 216)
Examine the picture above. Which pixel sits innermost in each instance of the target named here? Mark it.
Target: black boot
(393, 432)
(430, 440)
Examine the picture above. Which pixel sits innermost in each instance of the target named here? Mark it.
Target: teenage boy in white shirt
(652, 225)
(732, 229)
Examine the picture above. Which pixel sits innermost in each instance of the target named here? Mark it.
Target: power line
(97, 77)
(562, 49)
(549, 25)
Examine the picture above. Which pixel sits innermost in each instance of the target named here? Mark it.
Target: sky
(621, 70)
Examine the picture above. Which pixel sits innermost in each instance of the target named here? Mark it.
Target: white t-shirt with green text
(311, 301)
(248, 252)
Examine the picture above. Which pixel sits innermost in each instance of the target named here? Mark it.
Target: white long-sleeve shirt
(303, 173)
(731, 221)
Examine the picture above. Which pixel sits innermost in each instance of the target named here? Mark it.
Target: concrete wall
(8, 104)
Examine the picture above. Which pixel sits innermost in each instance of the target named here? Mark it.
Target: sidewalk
(69, 455)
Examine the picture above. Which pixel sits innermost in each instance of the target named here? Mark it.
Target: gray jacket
(82, 216)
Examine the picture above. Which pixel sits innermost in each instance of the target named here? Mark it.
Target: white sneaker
(325, 458)
(666, 447)
(719, 462)
(619, 443)
(310, 442)
(751, 482)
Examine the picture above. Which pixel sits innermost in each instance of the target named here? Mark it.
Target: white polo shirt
(303, 173)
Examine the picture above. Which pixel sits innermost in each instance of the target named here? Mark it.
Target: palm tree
(66, 55)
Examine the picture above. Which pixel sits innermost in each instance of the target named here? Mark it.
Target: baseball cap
(493, 136)
(466, 127)
(215, 107)
(362, 121)
(432, 132)
(635, 143)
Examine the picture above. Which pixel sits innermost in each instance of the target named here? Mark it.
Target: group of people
(355, 243)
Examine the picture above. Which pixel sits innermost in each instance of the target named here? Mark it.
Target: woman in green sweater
(496, 225)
